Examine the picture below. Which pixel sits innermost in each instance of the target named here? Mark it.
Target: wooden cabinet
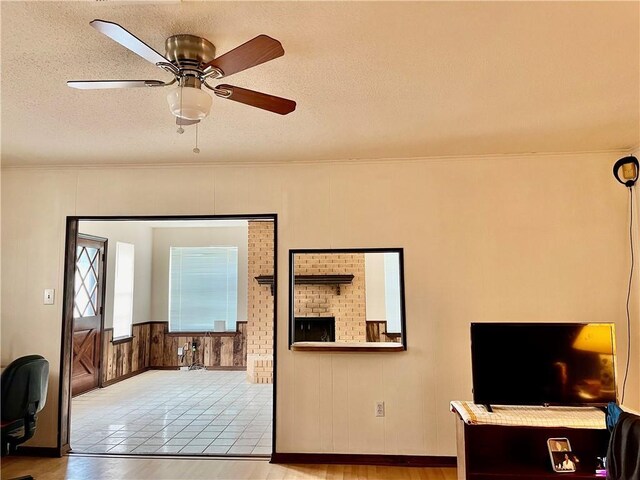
(491, 452)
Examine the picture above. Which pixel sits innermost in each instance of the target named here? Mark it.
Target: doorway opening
(168, 343)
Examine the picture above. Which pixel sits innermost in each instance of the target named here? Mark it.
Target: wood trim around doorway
(66, 347)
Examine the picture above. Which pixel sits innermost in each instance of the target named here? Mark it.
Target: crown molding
(339, 161)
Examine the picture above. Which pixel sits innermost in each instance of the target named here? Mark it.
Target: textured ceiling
(372, 80)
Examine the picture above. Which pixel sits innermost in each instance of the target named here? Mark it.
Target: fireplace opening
(315, 329)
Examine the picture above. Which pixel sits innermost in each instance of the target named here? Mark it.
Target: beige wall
(139, 235)
(164, 238)
(518, 238)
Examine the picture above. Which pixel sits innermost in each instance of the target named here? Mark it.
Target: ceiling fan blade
(271, 103)
(254, 52)
(128, 40)
(101, 84)
(183, 122)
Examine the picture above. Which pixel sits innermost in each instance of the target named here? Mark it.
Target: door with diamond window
(87, 313)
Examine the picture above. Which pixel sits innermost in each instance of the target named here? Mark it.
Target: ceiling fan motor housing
(189, 51)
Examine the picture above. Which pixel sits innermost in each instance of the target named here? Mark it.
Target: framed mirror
(347, 299)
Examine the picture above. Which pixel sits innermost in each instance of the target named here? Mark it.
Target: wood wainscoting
(216, 350)
(123, 360)
(377, 332)
(151, 346)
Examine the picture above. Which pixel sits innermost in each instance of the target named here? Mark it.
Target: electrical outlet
(180, 351)
(379, 409)
(49, 294)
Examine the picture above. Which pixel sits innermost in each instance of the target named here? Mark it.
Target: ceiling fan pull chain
(196, 149)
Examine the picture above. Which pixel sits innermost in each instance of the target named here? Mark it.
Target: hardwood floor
(125, 468)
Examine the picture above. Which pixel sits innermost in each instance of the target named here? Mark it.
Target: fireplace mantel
(336, 280)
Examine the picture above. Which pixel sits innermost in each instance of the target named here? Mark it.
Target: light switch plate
(49, 296)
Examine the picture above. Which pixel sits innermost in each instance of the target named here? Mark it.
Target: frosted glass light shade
(195, 103)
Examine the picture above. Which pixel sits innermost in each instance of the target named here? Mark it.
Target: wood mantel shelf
(347, 347)
(336, 280)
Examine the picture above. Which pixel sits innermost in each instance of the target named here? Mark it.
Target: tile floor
(177, 413)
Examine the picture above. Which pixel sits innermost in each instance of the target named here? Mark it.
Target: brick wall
(260, 304)
(348, 308)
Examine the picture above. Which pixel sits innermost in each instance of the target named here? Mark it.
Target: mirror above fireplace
(347, 299)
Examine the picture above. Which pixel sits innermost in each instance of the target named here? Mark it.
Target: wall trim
(148, 322)
(125, 376)
(334, 161)
(27, 451)
(202, 334)
(118, 341)
(157, 322)
(365, 459)
(146, 369)
(177, 367)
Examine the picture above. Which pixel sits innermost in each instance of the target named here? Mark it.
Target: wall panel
(519, 238)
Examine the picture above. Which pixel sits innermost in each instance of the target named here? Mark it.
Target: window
(123, 290)
(346, 300)
(85, 300)
(203, 289)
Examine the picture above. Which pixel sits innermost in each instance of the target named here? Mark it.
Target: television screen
(543, 363)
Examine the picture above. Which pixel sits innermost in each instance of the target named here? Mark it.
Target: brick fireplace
(260, 304)
(346, 303)
(314, 329)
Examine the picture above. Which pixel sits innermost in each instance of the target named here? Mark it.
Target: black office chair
(24, 393)
(623, 456)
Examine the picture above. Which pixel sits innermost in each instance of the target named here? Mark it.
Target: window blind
(203, 288)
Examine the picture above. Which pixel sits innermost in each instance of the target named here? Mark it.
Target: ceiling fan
(192, 62)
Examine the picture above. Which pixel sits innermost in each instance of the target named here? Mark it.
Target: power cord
(626, 370)
(195, 365)
(185, 347)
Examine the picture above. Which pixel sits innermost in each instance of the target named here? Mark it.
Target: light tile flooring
(175, 412)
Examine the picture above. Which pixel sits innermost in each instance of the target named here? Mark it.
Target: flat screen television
(543, 363)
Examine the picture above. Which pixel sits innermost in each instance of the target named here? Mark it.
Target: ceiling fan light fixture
(195, 104)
